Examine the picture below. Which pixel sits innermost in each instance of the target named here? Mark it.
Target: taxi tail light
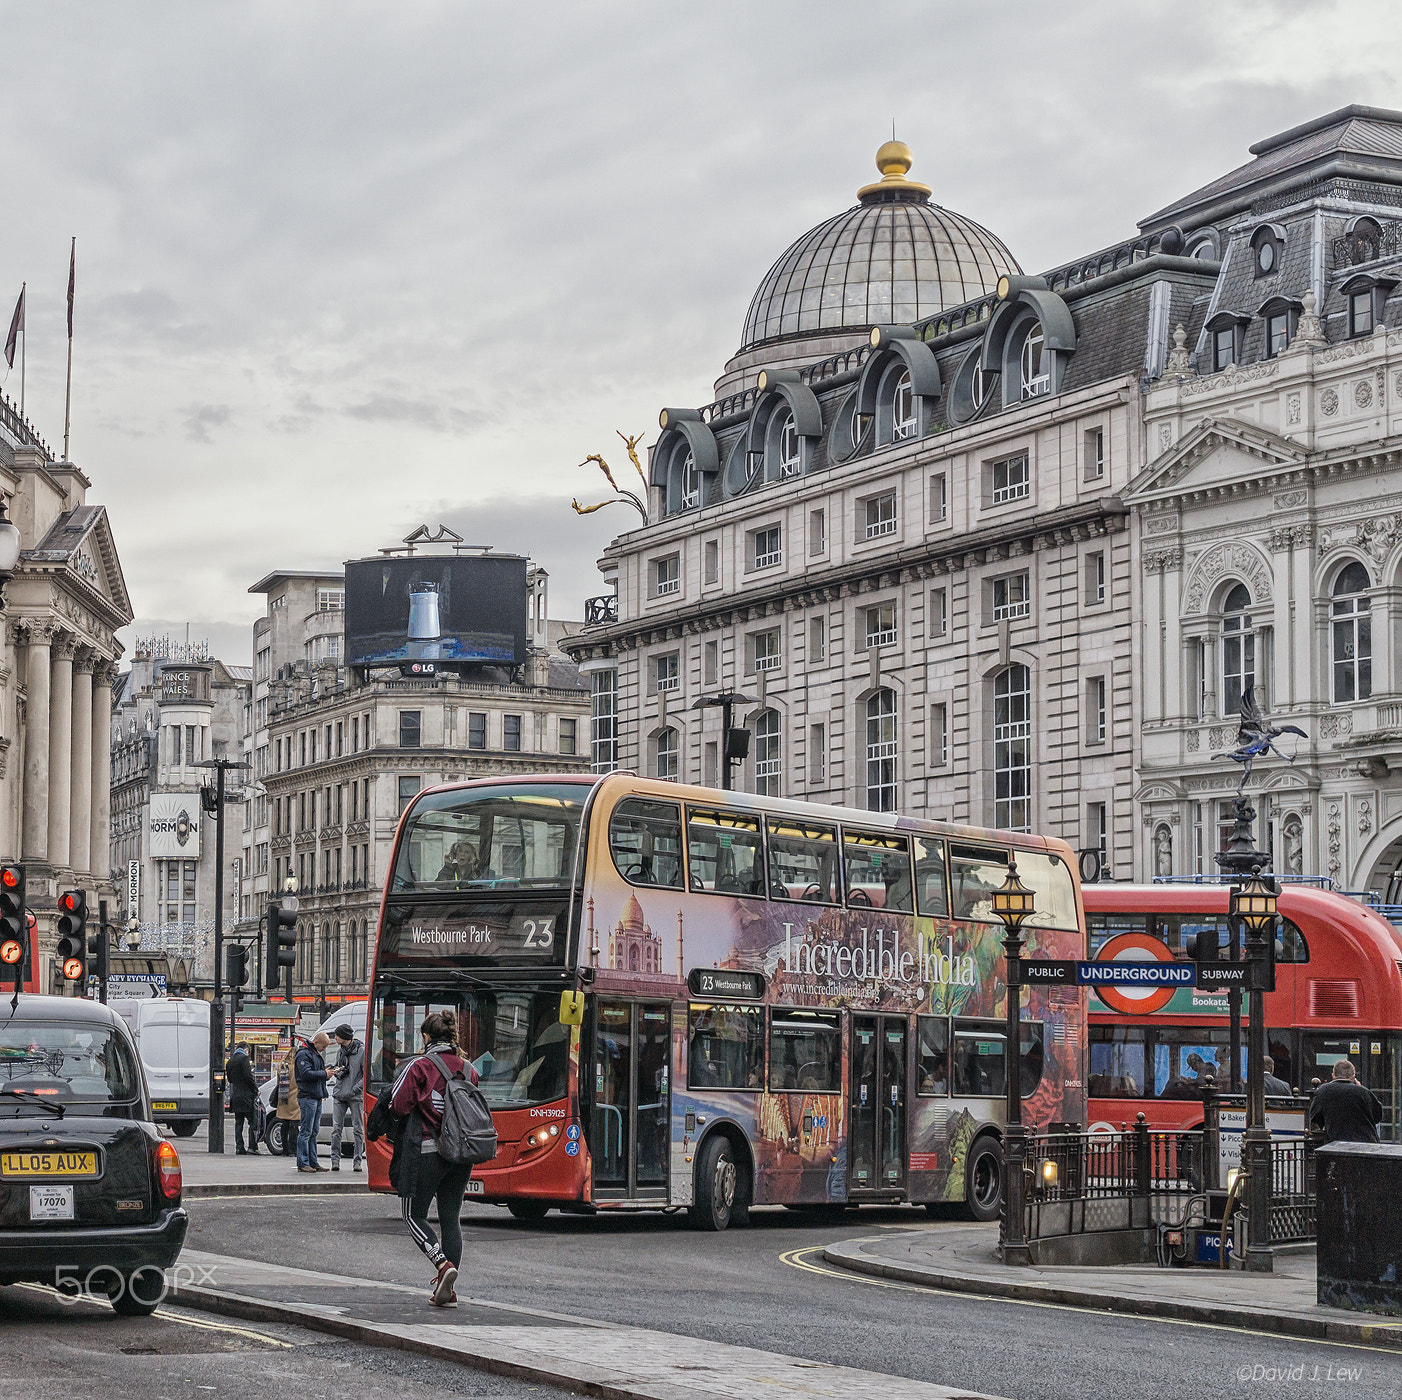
(168, 1171)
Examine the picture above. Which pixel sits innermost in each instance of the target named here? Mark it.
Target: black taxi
(89, 1190)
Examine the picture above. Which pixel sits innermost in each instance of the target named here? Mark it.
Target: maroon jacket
(421, 1087)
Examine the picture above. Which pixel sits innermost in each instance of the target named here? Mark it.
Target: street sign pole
(216, 1061)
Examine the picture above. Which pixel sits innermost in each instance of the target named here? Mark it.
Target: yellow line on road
(795, 1259)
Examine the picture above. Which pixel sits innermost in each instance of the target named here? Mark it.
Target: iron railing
(600, 611)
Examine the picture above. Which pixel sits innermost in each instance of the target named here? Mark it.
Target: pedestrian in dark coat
(243, 1098)
(1344, 1108)
(310, 1070)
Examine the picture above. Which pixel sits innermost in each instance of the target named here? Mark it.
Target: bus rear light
(168, 1171)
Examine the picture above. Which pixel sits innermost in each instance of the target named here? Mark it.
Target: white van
(172, 1037)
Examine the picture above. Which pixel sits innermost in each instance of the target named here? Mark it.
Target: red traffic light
(73, 902)
(10, 877)
(11, 951)
(73, 968)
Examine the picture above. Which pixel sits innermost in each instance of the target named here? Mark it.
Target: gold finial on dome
(893, 160)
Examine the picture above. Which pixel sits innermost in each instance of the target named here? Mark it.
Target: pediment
(1219, 452)
(79, 549)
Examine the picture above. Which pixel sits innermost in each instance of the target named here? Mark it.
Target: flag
(16, 326)
(72, 270)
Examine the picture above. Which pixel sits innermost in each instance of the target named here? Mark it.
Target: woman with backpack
(424, 1176)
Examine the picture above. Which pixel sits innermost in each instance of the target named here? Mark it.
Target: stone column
(34, 818)
(60, 745)
(100, 841)
(81, 787)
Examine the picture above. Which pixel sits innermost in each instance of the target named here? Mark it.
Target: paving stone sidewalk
(596, 1358)
(209, 1173)
(964, 1260)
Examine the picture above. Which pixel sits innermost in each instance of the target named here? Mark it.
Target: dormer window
(790, 449)
(1224, 336)
(1267, 245)
(1036, 375)
(1365, 298)
(691, 483)
(903, 419)
(1281, 316)
(1223, 347)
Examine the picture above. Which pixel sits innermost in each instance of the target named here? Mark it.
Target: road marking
(166, 1316)
(794, 1258)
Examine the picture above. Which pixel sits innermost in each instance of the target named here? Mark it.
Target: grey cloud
(200, 418)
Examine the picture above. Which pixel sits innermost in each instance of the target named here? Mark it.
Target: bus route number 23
(539, 933)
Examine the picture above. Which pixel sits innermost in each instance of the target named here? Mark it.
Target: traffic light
(72, 947)
(1204, 945)
(14, 926)
(235, 965)
(280, 950)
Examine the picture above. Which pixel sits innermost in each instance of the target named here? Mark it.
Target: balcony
(599, 612)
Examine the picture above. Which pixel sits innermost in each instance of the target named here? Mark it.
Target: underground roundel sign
(1134, 947)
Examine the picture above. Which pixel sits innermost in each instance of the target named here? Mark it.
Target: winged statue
(1257, 736)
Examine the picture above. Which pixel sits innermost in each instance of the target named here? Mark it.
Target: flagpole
(23, 349)
(68, 388)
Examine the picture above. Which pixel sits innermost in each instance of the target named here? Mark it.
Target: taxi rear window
(65, 1062)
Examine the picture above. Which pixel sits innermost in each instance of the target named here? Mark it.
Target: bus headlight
(540, 1137)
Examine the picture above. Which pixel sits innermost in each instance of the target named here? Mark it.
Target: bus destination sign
(491, 933)
(722, 982)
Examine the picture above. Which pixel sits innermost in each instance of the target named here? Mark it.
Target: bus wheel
(983, 1179)
(533, 1212)
(721, 1194)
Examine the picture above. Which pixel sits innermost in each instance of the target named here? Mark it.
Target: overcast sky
(346, 268)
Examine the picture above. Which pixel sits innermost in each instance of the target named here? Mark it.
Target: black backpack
(467, 1136)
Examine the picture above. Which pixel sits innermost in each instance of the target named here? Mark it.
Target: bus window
(974, 873)
(931, 893)
(980, 1061)
(1185, 932)
(1117, 1062)
(802, 862)
(1100, 928)
(645, 839)
(1049, 879)
(395, 1034)
(726, 1047)
(877, 871)
(932, 1055)
(805, 1051)
(484, 837)
(1031, 1057)
(1185, 1055)
(1290, 945)
(724, 852)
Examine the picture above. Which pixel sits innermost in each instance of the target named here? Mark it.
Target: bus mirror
(571, 1008)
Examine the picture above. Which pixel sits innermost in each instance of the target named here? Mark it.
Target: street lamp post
(221, 766)
(1254, 904)
(1013, 903)
(729, 752)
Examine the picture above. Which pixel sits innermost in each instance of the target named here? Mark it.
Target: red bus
(679, 997)
(1338, 995)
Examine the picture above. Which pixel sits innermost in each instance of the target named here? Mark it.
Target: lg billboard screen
(436, 612)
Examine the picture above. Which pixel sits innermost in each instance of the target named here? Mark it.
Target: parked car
(172, 1038)
(89, 1190)
(275, 1138)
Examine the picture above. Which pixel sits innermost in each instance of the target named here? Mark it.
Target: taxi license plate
(51, 1203)
(31, 1164)
(166, 1107)
(475, 1188)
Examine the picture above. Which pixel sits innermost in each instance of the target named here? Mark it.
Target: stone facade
(63, 609)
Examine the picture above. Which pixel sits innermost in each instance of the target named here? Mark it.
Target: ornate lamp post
(9, 550)
(1254, 903)
(1013, 904)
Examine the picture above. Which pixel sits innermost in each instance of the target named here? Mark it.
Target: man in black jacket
(243, 1098)
(1345, 1109)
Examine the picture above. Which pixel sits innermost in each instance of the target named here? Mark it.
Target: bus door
(632, 1099)
(877, 1150)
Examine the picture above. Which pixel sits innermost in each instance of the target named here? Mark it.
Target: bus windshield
(490, 837)
(514, 1040)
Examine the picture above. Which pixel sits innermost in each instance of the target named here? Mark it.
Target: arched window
(667, 755)
(1238, 648)
(1352, 635)
(691, 483)
(1012, 749)
(881, 751)
(767, 753)
(790, 449)
(903, 420)
(1036, 378)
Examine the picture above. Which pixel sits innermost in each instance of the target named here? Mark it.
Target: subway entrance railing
(1146, 1195)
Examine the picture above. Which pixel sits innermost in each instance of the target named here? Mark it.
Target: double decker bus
(679, 997)
(1338, 995)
